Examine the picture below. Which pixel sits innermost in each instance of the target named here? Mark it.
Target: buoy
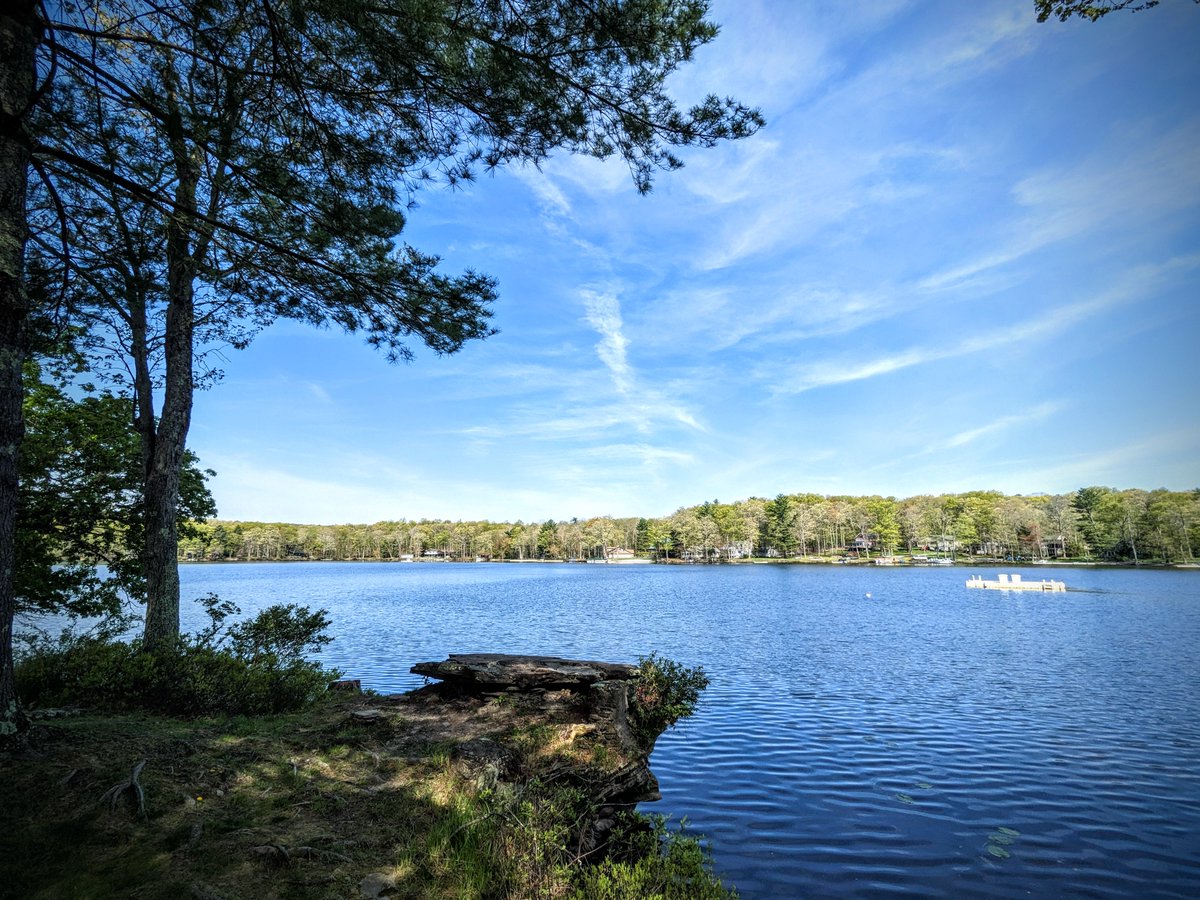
(868, 595)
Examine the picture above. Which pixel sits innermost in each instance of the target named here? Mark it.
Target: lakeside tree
(882, 512)
(259, 158)
(1086, 504)
(20, 33)
(778, 534)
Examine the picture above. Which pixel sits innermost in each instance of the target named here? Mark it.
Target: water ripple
(931, 743)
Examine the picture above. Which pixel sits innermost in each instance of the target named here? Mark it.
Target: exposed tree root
(113, 795)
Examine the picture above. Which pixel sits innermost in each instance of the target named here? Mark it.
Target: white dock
(1014, 583)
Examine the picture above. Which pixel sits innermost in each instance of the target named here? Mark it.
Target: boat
(1004, 582)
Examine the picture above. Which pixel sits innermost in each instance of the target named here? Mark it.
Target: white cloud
(1039, 413)
(936, 182)
(798, 379)
(1122, 192)
(318, 392)
(603, 313)
(1172, 452)
(552, 199)
(644, 454)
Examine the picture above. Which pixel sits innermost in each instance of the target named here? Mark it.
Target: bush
(666, 865)
(527, 843)
(261, 671)
(663, 693)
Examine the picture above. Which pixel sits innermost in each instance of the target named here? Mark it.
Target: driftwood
(113, 795)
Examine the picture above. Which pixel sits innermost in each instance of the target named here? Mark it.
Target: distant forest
(1093, 523)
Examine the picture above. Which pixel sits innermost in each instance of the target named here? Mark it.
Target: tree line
(1092, 523)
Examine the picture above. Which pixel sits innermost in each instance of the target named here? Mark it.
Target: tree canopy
(81, 502)
(208, 166)
(1093, 10)
(205, 166)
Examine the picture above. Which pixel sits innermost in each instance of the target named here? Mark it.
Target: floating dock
(1014, 583)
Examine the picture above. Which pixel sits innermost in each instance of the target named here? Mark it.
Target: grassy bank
(355, 797)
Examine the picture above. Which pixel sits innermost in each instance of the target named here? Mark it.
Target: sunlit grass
(301, 806)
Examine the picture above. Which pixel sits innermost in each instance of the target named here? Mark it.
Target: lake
(926, 740)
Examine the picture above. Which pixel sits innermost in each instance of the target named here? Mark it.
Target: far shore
(900, 563)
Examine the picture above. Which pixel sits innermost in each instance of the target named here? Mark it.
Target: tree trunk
(165, 461)
(19, 36)
(161, 488)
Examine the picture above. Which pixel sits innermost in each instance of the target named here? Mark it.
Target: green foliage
(80, 503)
(1093, 10)
(534, 853)
(262, 671)
(883, 522)
(285, 631)
(671, 865)
(1165, 526)
(548, 545)
(778, 526)
(664, 692)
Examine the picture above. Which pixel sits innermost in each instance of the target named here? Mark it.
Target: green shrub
(261, 671)
(664, 865)
(663, 693)
(527, 843)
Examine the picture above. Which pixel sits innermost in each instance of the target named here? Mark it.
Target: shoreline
(983, 562)
(456, 789)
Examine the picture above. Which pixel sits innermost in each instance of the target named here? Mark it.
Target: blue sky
(963, 254)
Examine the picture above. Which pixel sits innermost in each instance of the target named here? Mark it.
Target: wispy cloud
(798, 379)
(552, 199)
(318, 392)
(635, 404)
(1039, 413)
(645, 454)
(1174, 450)
(603, 313)
(1148, 181)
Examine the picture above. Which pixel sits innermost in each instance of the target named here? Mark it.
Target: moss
(8, 720)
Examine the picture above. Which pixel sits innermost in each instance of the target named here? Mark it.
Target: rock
(580, 706)
(350, 685)
(367, 716)
(376, 885)
(500, 671)
(587, 705)
(597, 693)
(490, 762)
(609, 705)
(628, 785)
(271, 854)
(485, 751)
